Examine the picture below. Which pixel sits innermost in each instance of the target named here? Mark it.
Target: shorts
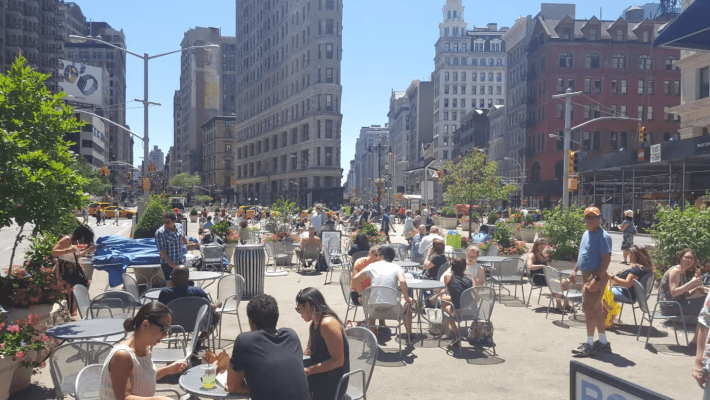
(592, 301)
(167, 270)
(627, 241)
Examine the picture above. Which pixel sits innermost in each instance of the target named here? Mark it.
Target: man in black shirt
(267, 363)
(180, 277)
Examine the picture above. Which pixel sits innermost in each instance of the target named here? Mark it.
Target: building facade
(420, 95)
(218, 155)
(157, 158)
(619, 74)
(474, 132)
(398, 139)
(288, 117)
(370, 161)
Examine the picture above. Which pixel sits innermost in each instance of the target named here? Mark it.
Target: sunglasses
(164, 329)
(592, 218)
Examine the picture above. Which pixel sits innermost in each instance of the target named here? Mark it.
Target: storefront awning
(413, 196)
(689, 30)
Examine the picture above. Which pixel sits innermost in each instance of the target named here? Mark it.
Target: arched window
(566, 60)
(464, 61)
(456, 61)
(449, 15)
(671, 63)
(535, 172)
(474, 62)
(483, 62)
(645, 62)
(591, 60)
(490, 62)
(618, 61)
(228, 134)
(454, 14)
(499, 62)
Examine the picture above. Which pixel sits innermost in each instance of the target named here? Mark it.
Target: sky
(386, 45)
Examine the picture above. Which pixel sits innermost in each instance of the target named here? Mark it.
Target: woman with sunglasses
(129, 370)
(327, 346)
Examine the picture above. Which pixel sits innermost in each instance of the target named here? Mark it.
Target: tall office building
(207, 90)
(399, 139)
(288, 117)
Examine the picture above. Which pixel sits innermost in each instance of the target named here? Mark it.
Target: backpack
(322, 265)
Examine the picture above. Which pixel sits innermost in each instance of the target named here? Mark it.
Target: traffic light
(573, 166)
(104, 171)
(642, 134)
(572, 184)
(130, 175)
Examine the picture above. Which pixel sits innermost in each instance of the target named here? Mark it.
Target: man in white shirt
(384, 272)
(316, 219)
(428, 240)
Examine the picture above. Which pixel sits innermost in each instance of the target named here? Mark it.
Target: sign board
(427, 191)
(588, 383)
(233, 180)
(117, 167)
(331, 239)
(146, 183)
(656, 153)
(641, 154)
(151, 167)
(702, 144)
(83, 82)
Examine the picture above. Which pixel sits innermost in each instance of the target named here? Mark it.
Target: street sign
(151, 167)
(146, 183)
(656, 153)
(233, 180)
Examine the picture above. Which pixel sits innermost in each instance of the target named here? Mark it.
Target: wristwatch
(84, 82)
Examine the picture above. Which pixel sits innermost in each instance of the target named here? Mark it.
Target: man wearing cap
(593, 261)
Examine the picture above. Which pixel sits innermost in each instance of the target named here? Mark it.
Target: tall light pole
(145, 57)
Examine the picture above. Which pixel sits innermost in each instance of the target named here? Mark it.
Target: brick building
(618, 72)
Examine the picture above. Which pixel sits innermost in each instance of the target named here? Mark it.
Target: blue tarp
(114, 253)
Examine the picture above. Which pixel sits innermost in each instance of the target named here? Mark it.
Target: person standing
(103, 215)
(170, 240)
(116, 215)
(593, 260)
(85, 214)
(316, 220)
(408, 227)
(629, 230)
(386, 226)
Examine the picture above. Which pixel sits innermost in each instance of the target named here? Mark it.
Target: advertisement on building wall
(83, 82)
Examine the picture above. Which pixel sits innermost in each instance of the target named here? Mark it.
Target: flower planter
(562, 265)
(7, 371)
(233, 213)
(22, 377)
(527, 234)
(43, 311)
(193, 218)
(229, 251)
(475, 226)
(447, 222)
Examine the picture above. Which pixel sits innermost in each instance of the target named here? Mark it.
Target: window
(639, 112)
(328, 128)
(645, 62)
(473, 89)
(499, 77)
(619, 35)
(597, 86)
(490, 89)
(447, 47)
(585, 140)
(614, 140)
(649, 113)
(482, 62)
(329, 75)
(667, 88)
(566, 60)
(463, 89)
(446, 103)
(483, 76)
(329, 102)
(597, 141)
(624, 84)
(704, 81)
(498, 90)
(490, 77)
(446, 115)
(586, 111)
(650, 87)
(593, 34)
(456, 76)
(329, 26)
(559, 145)
(463, 77)
(560, 111)
(645, 36)
(474, 76)
(453, 116)
(676, 87)
(587, 85)
(446, 76)
(623, 140)
(618, 61)
(566, 33)
(446, 89)
(591, 60)
(329, 51)
(671, 63)
(642, 84)
(622, 111)
(456, 47)
(560, 85)
(454, 103)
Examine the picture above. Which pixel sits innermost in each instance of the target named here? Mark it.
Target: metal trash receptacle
(250, 262)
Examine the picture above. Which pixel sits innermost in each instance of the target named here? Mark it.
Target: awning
(689, 30)
(413, 196)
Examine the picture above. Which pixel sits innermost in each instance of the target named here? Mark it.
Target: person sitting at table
(675, 286)
(327, 346)
(210, 237)
(427, 241)
(170, 241)
(183, 287)
(329, 220)
(267, 363)
(129, 372)
(623, 282)
(244, 232)
(67, 254)
(208, 224)
(358, 286)
(435, 259)
(536, 261)
(301, 223)
(456, 280)
(312, 238)
(384, 272)
(361, 243)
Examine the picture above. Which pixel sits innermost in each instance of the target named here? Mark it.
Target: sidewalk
(533, 352)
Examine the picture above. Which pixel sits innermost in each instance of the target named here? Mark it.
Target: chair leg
(643, 316)
(522, 291)
(633, 310)
(347, 312)
(239, 321)
(650, 326)
(548, 306)
(622, 311)
(685, 331)
(564, 311)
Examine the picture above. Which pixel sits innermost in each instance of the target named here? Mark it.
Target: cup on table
(208, 380)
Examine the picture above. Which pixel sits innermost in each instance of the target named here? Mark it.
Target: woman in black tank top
(456, 281)
(327, 346)
(536, 262)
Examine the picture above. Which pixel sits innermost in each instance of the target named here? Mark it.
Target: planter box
(562, 265)
(475, 226)
(527, 235)
(22, 377)
(233, 213)
(7, 371)
(229, 251)
(447, 222)
(193, 218)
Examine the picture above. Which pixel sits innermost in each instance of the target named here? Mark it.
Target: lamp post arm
(180, 50)
(605, 118)
(112, 123)
(106, 43)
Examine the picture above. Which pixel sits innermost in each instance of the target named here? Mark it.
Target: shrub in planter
(152, 219)
(564, 227)
(65, 226)
(492, 217)
(448, 212)
(676, 229)
(503, 235)
(193, 211)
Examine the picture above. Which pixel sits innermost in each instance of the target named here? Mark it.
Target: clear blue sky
(386, 44)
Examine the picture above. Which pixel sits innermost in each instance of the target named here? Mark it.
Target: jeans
(622, 295)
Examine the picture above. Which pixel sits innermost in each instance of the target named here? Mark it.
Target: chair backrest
(184, 309)
(202, 320)
(212, 253)
(113, 304)
(88, 383)
(359, 255)
(554, 280)
(493, 251)
(381, 302)
(269, 247)
(311, 251)
(648, 281)
(511, 267)
(81, 294)
(230, 285)
(363, 354)
(486, 299)
(130, 285)
(442, 270)
(458, 253)
(345, 280)
(67, 360)
(326, 255)
(641, 296)
(468, 306)
(333, 244)
(270, 227)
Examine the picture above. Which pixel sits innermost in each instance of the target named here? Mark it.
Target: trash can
(250, 263)
(87, 265)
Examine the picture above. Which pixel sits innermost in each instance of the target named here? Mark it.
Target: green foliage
(448, 212)
(185, 180)
(66, 226)
(492, 217)
(221, 228)
(36, 183)
(676, 229)
(471, 177)
(152, 218)
(284, 208)
(95, 183)
(193, 211)
(41, 247)
(564, 227)
(369, 229)
(203, 198)
(503, 235)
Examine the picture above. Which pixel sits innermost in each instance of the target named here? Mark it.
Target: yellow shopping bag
(611, 307)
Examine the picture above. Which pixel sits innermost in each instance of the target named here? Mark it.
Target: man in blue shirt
(416, 241)
(170, 240)
(386, 225)
(317, 219)
(593, 261)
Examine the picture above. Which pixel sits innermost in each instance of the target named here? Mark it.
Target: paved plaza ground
(533, 353)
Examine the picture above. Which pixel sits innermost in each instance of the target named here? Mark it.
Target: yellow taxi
(122, 212)
(94, 207)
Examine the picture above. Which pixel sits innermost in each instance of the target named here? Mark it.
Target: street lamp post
(146, 58)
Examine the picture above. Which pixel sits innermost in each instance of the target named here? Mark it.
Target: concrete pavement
(532, 361)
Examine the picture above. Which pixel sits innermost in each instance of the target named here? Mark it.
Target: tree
(471, 178)
(284, 208)
(95, 183)
(36, 183)
(157, 182)
(185, 180)
(152, 218)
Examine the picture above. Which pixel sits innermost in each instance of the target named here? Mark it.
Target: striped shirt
(142, 378)
(172, 242)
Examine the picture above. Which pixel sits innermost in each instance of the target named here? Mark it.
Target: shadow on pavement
(614, 359)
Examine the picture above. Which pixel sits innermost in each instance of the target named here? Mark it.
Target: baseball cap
(206, 232)
(592, 212)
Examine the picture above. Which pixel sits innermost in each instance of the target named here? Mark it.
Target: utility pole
(568, 136)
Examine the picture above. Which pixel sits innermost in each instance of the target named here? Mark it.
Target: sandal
(449, 336)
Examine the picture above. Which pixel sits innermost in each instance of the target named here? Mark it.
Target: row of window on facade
(266, 145)
(619, 35)
(592, 140)
(455, 104)
(474, 77)
(328, 103)
(618, 61)
(454, 89)
(475, 62)
(297, 161)
(479, 45)
(596, 110)
(620, 86)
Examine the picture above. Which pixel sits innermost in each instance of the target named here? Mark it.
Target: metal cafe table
(87, 329)
(191, 382)
(421, 285)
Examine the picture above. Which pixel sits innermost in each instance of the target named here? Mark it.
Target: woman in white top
(479, 275)
(129, 372)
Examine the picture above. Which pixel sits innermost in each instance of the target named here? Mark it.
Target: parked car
(122, 212)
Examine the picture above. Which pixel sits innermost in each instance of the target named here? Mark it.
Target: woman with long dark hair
(129, 369)
(360, 244)
(623, 282)
(67, 252)
(327, 346)
(675, 286)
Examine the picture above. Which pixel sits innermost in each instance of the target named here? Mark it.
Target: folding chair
(331, 264)
(647, 282)
(380, 302)
(509, 271)
(83, 301)
(310, 253)
(67, 360)
(493, 251)
(345, 280)
(533, 286)
(363, 356)
(359, 255)
(212, 256)
(163, 355)
(655, 314)
(230, 290)
(113, 304)
(554, 283)
(130, 286)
